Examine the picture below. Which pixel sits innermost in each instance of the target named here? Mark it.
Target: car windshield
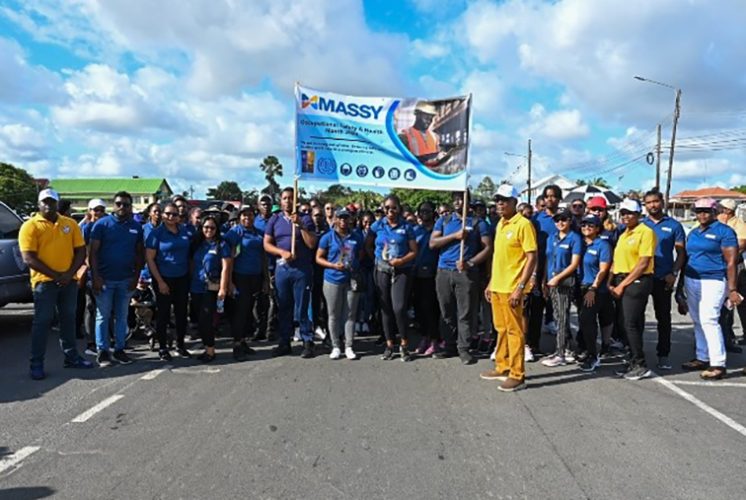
(10, 223)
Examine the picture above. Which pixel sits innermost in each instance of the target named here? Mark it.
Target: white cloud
(429, 50)
(487, 90)
(21, 137)
(566, 124)
(22, 82)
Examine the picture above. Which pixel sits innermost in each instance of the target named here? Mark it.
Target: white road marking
(191, 371)
(152, 374)
(14, 459)
(703, 406)
(92, 411)
(708, 384)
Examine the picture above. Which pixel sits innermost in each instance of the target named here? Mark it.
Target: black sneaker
(733, 349)
(248, 351)
(164, 355)
(466, 358)
(307, 352)
(182, 351)
(122, 358)
(404, 353)
(623, 370)
(206, 358)
(638, 373)
(445, 353)
(239, 354)
(589, 364)
(380, 340)
(259, 337)
(282, 350)
(474, 344)
(388, 353)
(103, 358)
(581, 357)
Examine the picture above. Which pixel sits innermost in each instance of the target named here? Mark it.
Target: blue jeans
(293, 287)
(114, 299)
(49, 297)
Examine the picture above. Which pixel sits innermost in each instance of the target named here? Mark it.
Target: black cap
(562, 213)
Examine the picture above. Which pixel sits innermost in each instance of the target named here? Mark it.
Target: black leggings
(590, 317)
(634, 301)
(179, 288)
(249, 286)
(393, 290)
(205, 305)
(426, 308)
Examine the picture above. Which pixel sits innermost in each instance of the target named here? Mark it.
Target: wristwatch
(521, 286)
(469, 264)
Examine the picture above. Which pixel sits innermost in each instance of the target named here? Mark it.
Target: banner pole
(464, 212)
(295, 210)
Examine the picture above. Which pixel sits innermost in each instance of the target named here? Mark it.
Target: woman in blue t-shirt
(595, 303)
(392, 241)
(249, 278)
(709, 280)
(167, 254)
(564, 249)
(211, 267)
(339, 253)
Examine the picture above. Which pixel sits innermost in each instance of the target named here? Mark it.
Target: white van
(14, 274)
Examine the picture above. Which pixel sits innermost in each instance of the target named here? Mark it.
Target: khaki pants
(509, 357)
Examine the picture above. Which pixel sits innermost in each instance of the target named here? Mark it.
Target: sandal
(713, 373)
(695, 365)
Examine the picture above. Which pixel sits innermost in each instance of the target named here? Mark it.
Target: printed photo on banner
(435, 132)
(382, 141)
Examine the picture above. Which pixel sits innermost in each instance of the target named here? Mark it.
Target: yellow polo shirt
(633, 244)
(514, 238)
(737, 225)
(53, 242)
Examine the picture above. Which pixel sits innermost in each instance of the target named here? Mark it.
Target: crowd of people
(467, 277)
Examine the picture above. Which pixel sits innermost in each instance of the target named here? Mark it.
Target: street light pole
(529, 172)
(658, 159)
(676, 115)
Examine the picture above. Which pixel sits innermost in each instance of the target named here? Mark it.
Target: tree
(485, 189)
(272, 168)
(596, 181)
(413, 197)
(226, 190)
(740, 189)
(17, 188)
(250, 197)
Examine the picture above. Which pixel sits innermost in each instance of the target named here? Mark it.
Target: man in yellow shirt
(53, 248)
(631, 282)
(513, 264)
(728, 216)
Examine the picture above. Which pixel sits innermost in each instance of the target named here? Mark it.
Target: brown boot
(713, 373)
(493, 375)
(512, 385)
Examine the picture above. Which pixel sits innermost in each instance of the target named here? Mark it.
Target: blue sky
(200, 91)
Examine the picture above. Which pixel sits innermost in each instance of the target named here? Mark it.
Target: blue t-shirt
(599, 251)
(85, 228)
(208, 263)
(392, 242)
(118, 250)
(450, 253)
(147, 228)
(280, 228)
(260, 223)
(704, 248)
(427, 258)
(172, 250)
(610, 236)
(668, 232)
(249, 249)
(339, 249)
(545, 229)
(191, 230)
(561, 252)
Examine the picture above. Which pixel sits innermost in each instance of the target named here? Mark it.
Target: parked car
(14, 273)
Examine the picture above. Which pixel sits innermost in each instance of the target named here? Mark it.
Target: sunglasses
(390, 207)
(124, 204)
(563, 219)
(99, 209)
(209, 228)
(596, 209)
(702, 210)
(578, 205)
(170, 214)
(624, 213)
(586, 225)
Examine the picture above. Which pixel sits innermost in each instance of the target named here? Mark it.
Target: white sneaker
(296, 335)
(493, 355)
(569, 356)
(336, 353)
(365, 328)
(350, 354)
(551, 328)
(320, 333)
(554, 361)
(528, 354)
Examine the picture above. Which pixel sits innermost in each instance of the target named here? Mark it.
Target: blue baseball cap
(592, 219)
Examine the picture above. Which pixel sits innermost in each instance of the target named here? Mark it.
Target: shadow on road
(26, 493)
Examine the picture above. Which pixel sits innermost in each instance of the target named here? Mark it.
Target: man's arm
(32, 261)
(93, 248)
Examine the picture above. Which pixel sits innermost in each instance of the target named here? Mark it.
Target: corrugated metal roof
(108, 185)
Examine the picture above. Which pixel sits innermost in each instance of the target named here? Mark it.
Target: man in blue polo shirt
(457, 280)
(116, 257)
(669, 236)
(294, 271)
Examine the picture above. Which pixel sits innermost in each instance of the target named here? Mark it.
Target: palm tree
(272, 168)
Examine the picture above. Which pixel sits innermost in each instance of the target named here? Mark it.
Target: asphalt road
(291, 428)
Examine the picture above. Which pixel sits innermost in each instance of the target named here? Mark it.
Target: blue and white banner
(382, 141)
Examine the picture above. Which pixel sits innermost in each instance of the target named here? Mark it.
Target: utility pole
(658, 160)
(191, 192)
(529, 171)
(676, 114)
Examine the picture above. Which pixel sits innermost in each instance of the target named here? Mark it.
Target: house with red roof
(680, 204)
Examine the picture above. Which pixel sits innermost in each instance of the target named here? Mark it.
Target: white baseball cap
(48, 193)
(630, 205)
(507, 191)
(96, 202)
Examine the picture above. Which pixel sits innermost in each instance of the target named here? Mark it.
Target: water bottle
(393, 249)
(220, 306)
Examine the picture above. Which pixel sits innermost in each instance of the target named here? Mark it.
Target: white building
(538, 186)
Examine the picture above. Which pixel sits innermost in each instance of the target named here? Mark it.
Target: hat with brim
(46, 194)
(592, 219)
(246, 208)
(729, 203)
(506, 191)
(707, 203)
(95, 203)
(426, 107)
(562, 214)
(630, 205)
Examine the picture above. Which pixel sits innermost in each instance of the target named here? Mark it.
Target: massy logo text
(351, 110)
